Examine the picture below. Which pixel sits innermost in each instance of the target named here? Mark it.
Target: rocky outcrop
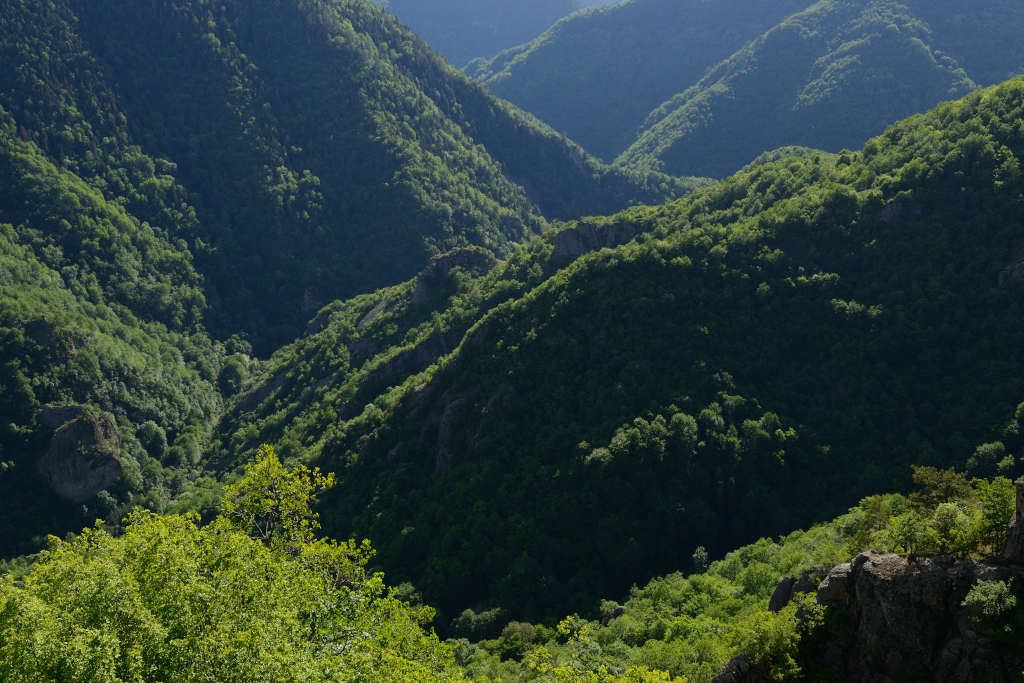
(791, 586)
(82, 458)
(446, 434)
(585, 237)
(900, 209)
(899, 618)
(434, 279)
(740, 670)
(1014, 550)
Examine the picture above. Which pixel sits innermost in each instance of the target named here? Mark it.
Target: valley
(721, 297)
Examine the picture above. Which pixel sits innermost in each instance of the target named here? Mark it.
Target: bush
(991, 602)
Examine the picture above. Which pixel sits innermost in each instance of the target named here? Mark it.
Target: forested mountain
(734, 80)
(950, 612)
(759, 356)
(102, 309)
(599, 73)
(462, 30)
(323, 149)
(176, 173)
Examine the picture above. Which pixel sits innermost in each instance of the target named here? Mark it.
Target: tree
(937, 486)
(153, 439)
(950, 529)
(771, 641)
(174, 602)
(700, 559)
(906, 532)
(273, 504)
(986, 458)
(231, 376)
(990, 602)
(998, 499)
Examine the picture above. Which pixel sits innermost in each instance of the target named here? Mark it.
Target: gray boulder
(82, 457)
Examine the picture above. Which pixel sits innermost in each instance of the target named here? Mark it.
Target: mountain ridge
(827, 75)
(189, 182)
(745, 314)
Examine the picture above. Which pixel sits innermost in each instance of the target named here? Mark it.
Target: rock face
(790, 586)
(432, 281)
(82, 458)
(1015, 540)
(897, 618)
(585, 237)
(740, 670)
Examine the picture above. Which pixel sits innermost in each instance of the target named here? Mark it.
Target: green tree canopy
(172, 600)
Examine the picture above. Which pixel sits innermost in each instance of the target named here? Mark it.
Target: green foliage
(98, 309)
(272, 504)
(770, 640)
(700, 559)
(950, 529)
(172, 601)
(938, 486)
(180, 172)
(960, 517)
(685, 627)
(691, 626)
(991, 601)
(734, 79)
(997, 500)
(287, 192)
(758, 347)
(989, 458)
(606, 58)
(906, 532)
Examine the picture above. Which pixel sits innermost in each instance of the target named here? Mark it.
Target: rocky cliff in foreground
(900, 618)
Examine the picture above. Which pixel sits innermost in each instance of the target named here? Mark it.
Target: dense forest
(827, 75)
(277, 278)
(570, 78)
(299, 193)
(180, 173)
(688, 624)
(255, 595)
(757, 355)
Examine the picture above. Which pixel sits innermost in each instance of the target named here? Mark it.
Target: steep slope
(323, 148)
(773, 610)
(829, 76)
(175, 173)
(763, 353)
(97, 309)
(598, 74)
(464, 29)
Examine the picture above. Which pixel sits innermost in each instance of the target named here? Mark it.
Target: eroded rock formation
(585, 237)
(82, 458)
(432, 281)
(900, 618)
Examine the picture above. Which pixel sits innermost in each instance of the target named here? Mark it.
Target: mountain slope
(185, 181)
(97, 308)
(323, 148)
(826, 75)
(598, 74)
(462, 30)
(763, 353)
